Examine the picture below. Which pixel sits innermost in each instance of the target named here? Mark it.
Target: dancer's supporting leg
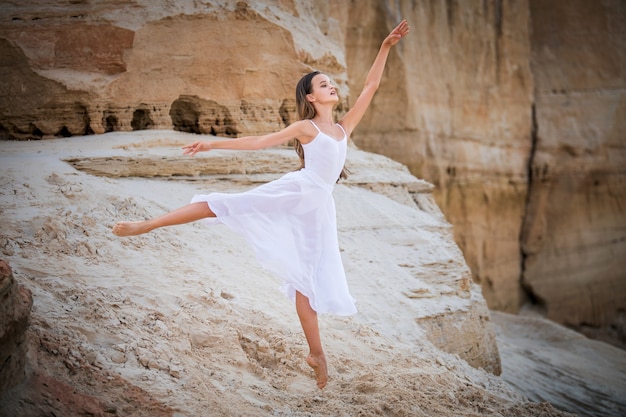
(185, 214)
(308, 320)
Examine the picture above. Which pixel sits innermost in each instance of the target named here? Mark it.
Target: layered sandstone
(83, 68)
(120, 320)
(98, 68)
(574, 235)
(441, 298)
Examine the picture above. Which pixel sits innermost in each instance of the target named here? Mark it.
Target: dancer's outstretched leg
(185, 214)
(308, 320)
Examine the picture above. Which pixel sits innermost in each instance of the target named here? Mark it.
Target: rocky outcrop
(120, 68)
(549, 362)
(197, 70)
(15, 305)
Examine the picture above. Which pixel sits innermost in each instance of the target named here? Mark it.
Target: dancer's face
(323, 89)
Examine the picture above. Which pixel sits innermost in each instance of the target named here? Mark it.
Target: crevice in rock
(498, 31)
(64, 132)
(534, 137)
(450, 14)
(4, 133)
(81, 108)
(35, 131)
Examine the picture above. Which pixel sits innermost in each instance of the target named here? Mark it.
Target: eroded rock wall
(197, 70)
(515, 110)
(224, 69)
(82, 68)
(184, 320)
(574, 237)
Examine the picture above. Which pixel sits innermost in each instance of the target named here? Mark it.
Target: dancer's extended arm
(297, 129)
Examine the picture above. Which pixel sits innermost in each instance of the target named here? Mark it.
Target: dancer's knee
(202, 209)
(209, 212)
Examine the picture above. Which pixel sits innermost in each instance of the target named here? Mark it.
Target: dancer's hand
(194, 148)
(398, 33)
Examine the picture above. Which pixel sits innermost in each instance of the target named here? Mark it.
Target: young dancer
(290, 222)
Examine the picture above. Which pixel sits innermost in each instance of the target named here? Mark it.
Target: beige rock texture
(204, 67)
(437, 267)
(15, 305)
(574, 235)
(182, 322)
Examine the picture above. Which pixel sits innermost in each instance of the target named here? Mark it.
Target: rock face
(535, 349)
(522, 133)
(441, 297)
(15, 305)
(574, 235)
(107, 67)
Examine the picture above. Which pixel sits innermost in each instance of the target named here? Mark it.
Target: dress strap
(313, 123)
(342, 129)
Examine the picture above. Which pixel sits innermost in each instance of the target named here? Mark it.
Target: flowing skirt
(291, 225)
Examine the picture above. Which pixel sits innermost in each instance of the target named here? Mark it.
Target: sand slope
(183, 322)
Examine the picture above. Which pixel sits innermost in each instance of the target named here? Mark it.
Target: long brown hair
(307, 111)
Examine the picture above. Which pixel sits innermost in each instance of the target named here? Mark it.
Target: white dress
(291, 225)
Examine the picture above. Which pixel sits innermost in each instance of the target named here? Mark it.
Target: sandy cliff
(15, 305)
(460, 97)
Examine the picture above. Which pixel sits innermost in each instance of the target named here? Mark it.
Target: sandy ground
(182, 321)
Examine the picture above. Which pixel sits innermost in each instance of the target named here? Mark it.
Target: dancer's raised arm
(352, 118)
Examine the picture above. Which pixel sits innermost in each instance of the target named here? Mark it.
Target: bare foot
(130, 228)
(319, 367)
